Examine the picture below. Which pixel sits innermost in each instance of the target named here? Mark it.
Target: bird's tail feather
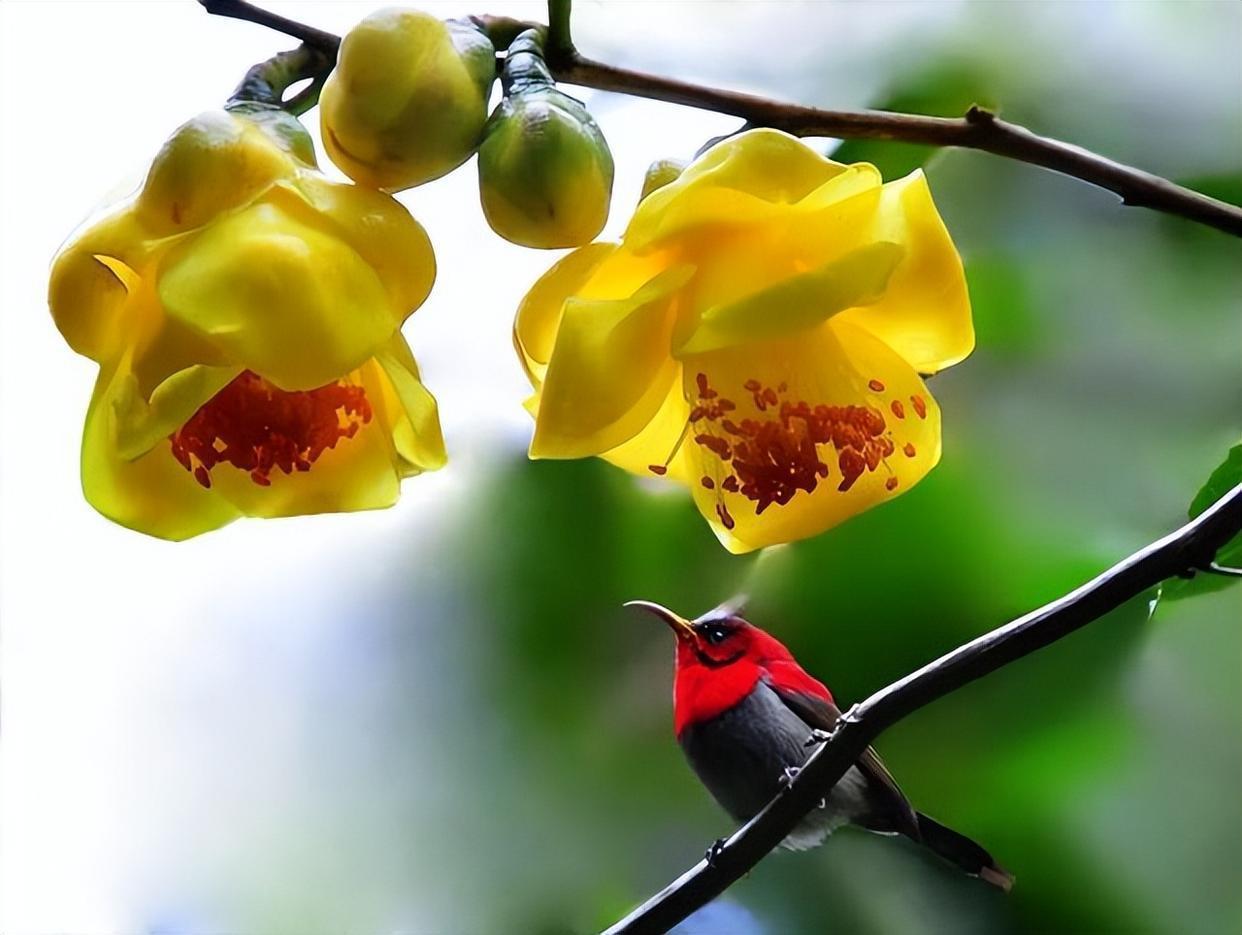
(962, 851)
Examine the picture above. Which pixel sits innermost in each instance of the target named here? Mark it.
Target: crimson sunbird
(745, 714)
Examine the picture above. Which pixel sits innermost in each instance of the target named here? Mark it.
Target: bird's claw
(817, 737)
(790, 774)
(714, 851)
(850, 716)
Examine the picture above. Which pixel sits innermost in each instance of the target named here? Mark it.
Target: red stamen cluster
(770, 459)
(256, 427)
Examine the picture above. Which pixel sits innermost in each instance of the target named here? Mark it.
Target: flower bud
(407, 100)
(660, 173)
(545, 170)
(217, 161)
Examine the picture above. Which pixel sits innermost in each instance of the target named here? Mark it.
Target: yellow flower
(407, 100)
(245, 313)
(758, 336)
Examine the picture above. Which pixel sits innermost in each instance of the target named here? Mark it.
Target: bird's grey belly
(742, 754)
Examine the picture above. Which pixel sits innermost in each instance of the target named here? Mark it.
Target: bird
(746, 714)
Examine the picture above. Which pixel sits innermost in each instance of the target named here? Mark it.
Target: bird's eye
(716, 635)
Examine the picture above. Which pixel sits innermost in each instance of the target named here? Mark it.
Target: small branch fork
(1191, 548)
(979, 129)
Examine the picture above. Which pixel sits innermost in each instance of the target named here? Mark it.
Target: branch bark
(1189, 549)
(979, 129)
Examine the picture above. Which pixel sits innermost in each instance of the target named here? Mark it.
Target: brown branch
(239, 9)
(978, 129)
(1182, 553)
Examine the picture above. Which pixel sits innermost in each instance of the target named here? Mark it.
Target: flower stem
(266, 82)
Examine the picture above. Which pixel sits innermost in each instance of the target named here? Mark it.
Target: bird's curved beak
(679, 625)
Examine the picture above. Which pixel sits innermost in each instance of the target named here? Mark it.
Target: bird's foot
(790, 774)
(849, 717)
(817, 736)
(714, 851)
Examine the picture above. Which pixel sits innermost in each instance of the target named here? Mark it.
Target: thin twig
(978, 129)
(239, 9)
(1192, 546)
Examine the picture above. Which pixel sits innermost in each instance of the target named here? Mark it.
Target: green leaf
(946, 90)
(1227, 476)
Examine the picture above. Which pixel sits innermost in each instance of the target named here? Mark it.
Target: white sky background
(127, 662)
(106, 633)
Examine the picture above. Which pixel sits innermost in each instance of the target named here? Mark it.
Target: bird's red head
(721, 657)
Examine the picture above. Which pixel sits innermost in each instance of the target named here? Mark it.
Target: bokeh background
(438, 719)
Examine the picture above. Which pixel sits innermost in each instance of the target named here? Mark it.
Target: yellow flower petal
(416, 428)
(142, 424)
(746, 179)
(797, 469)
(661, 444)
(924, 314)
(539, 315)
(153, 493)
(91, 280)
(797, 302)
(283, 299)
(383, 233)
(609, 369)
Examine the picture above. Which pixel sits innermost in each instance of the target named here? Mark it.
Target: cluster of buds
(407, 103)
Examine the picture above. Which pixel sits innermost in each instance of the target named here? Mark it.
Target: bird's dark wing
(892, 812)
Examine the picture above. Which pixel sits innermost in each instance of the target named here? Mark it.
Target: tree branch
(979, 129)
(239, 9)
(1182, 553)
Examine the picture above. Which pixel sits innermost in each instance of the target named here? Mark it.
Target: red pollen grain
(659, 469)
(257, 427)
(876, 386)
(890, 484)
(777, 454)
(909, 450)
(705, 391)
(919, 406)
(898, 409)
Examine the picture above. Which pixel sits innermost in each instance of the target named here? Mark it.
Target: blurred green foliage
(944, 88)
(1104, 770)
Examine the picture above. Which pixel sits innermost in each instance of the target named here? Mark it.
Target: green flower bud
(407, 100)
(545, 170)
(660, 173)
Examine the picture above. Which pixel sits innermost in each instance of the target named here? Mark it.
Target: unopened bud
(407, 100)
(217, 161)
(545, 170)
(660, 173)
